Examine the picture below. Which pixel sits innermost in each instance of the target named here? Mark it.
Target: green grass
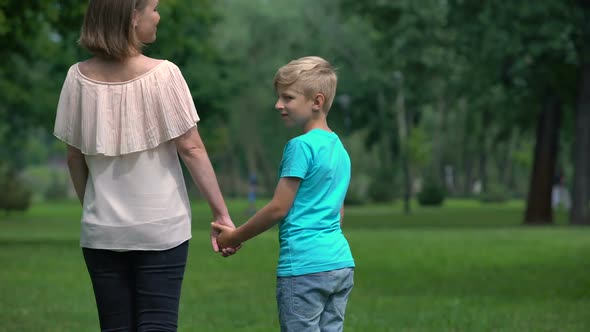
(464, 267)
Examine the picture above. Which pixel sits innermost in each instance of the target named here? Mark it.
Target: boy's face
(295, 108)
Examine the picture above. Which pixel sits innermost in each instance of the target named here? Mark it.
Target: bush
(14, 194)
(357, 190)
(432, 194)
(58, 189)
(495, 193)
(381, 189)
(48, 183)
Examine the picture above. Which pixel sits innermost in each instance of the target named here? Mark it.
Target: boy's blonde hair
(312, 75)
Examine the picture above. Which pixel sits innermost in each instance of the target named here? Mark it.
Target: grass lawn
(464, 267)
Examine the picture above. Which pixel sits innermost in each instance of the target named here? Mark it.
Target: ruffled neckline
(147, 73)
(118, 118)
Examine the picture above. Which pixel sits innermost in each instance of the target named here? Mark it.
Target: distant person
(125, 118)
(560, 196)
(477, 187)
(252, 184)
(307, 205)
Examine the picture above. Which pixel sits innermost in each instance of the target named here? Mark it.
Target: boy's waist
(291, 270)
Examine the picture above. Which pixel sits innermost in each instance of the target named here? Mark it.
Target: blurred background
(489, 100)
(455, 113)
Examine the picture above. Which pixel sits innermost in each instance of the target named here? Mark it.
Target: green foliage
(14, 194)
(419, 148)
(185, 37)
(382, 188)
(524, 156)
(495, 193)
(432, 193)
(256, 37)
(48, 183)
(358, 190)
(363, 169)
(58, 190)
(472, 73)
(35, 54)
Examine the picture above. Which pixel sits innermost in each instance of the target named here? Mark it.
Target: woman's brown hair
(108, 31)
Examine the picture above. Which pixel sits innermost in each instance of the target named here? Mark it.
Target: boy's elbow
(279, 211)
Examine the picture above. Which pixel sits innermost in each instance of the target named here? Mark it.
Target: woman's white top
(135, 197)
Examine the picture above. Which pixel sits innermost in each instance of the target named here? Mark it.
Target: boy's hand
(225, 238)
(225, 252)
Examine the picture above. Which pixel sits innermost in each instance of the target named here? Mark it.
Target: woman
(126, 118)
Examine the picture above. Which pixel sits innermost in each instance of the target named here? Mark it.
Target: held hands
(226, 251)
(225, 236)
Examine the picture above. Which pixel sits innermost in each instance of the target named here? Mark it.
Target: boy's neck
(320, 123)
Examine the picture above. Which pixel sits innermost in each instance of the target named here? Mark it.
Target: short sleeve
(297, 159)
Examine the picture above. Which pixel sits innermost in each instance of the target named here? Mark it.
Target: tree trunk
(386, 145)
(538, 210)
(235, 180)
(466, 151)
(267, 174)
(509, 166)
(402, 123)
(483, 151)
(439, 141)
(580, 212)
(468, 171)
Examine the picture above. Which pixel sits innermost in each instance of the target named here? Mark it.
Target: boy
(316, 268)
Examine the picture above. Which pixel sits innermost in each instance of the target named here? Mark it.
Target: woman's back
(123, 117)
(107, 71)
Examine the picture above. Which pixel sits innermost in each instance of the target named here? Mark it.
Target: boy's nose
(278, 104)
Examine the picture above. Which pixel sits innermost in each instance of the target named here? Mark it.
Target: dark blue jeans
(137, 290)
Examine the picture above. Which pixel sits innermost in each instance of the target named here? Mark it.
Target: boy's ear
(318, 102)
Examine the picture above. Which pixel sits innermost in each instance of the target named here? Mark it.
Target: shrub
(357, 190)
(381, 189)
(58, 189)
(14, 194)
(494, 193)
(432, 193)
(48, 183)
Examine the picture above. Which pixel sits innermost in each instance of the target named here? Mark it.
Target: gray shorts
(314, 302)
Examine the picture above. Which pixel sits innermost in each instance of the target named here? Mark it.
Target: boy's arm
(341, 214)
(266, 217)
(78, 171)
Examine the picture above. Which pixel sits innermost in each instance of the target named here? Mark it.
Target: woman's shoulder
(150, 63)
(104, 71)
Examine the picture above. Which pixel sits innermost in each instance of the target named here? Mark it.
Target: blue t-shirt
(310, 237)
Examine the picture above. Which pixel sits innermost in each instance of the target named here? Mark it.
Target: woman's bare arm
(78, 171)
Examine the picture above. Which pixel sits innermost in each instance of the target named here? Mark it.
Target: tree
(531, 60)
(410, 40)
(580, 212)
(257, 37)
(34, 52)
